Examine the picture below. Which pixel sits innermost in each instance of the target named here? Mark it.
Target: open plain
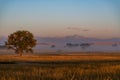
(70, 66)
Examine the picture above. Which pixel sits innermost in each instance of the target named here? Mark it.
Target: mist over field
(59, 44)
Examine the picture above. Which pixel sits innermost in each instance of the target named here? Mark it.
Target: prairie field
(72, 66)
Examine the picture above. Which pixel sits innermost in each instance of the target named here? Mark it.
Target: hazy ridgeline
(83, 70)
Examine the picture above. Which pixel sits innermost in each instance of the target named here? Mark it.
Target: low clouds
(78, 29)
(86, 30)
(73, 28)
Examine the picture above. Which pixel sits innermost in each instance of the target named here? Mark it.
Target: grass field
(60, 67)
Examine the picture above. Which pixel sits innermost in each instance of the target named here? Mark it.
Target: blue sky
(57, 18)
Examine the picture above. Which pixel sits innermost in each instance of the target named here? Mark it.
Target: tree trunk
(20, 52)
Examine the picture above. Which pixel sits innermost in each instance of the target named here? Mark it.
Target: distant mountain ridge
(73, 39)
(2, 40)
(58, 44)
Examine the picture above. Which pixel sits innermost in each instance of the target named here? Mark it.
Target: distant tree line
(82, 45)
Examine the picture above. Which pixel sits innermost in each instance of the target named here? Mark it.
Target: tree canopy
(21, 41)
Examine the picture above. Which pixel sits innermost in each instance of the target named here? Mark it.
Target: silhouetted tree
(72, 45)
(85, 45)
(114, 45)
(53, 46)
(21, 41)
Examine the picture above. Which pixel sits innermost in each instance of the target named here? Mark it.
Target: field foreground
(60, 67)
(48, 57)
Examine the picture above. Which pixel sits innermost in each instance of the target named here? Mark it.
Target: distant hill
(72, 39)
(77, 39)
(2, 40)
(60, 43)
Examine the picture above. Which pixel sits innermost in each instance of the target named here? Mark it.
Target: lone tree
(21, 41)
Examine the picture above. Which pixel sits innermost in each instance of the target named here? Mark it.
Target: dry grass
(61, 67)
(62, 57)
(80, 71)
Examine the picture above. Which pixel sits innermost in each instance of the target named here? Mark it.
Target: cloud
(85, 30)
(78, 29)
(73, 28)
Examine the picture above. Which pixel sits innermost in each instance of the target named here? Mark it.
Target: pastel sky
(57, 18)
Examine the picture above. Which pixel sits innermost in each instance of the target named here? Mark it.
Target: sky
(58, 18)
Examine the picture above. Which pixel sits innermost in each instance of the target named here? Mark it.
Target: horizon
(79, 36)
(51, 18)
